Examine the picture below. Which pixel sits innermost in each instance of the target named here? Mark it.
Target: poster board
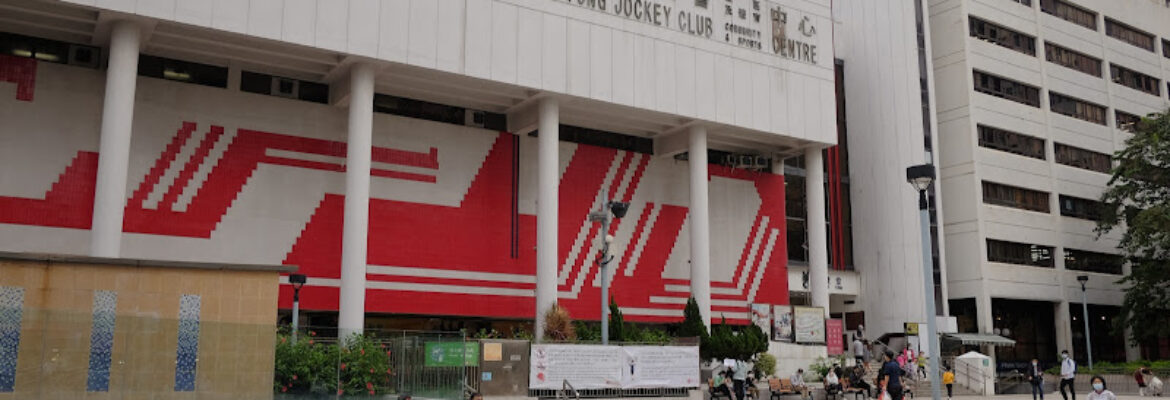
(782, 323)
(809, 324)
(452, 354)
(835, 336)
(613, 367)
(762, 317)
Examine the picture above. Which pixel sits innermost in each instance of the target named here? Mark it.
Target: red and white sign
(835, 336)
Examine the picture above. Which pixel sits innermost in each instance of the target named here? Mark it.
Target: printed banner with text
(613, 367)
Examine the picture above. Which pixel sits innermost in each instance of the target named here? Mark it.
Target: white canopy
(973, 355)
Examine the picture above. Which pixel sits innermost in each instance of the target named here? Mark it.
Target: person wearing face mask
(1068, 371)
(1036, 377)
(1099, 391)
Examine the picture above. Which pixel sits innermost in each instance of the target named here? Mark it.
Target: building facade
(1033, 99)
(430, 159)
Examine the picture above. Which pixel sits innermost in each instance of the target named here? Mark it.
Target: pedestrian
(922, 366)
(949, 380)
(1068, 371)
(476, 396)
(739, 378)
(1036, 377)
(858, 350)
(857, 380)
(1139, 376)
(1099, 391)
(890, 376)
(798, 384)
(868, 352)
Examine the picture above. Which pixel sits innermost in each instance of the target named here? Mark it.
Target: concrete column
(818, 248)
(359, 144)
(1064, 340)
(1132, 350)
(109, 201)
(700, 223)
(548, 177)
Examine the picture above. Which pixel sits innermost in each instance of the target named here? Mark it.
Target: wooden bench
(780, 387)
(847, 388)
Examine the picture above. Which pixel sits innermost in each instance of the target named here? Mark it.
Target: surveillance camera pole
(602, 215)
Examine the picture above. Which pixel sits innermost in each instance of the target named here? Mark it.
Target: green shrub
(766, 364)
(361, 366)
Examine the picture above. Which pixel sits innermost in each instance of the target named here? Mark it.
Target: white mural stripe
(336, 160)
(761, 231)
(632, 265)
(457, 289)
(186, 151)
(209, 163)
(714, 302)
(763, 264)
(714, 290)
(449, 274)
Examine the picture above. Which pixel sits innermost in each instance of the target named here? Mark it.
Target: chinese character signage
(835, 336)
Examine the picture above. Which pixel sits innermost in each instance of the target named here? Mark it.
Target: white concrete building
(1033, 98)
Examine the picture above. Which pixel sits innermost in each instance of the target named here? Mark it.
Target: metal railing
(566, 389)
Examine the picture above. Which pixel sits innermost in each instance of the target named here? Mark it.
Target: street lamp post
(297, 281)
(1085, 314)
(921, 176)
(618, 209)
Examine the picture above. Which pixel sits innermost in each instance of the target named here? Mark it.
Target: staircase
(922, 387)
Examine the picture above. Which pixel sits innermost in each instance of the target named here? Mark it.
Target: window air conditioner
(285, 87)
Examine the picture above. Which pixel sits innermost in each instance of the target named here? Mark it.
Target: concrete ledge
(131, 262)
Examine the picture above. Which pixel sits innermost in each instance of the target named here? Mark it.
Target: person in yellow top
(949, 380)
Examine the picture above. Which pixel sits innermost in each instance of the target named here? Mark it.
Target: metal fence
(1119, 381)
(381, 364)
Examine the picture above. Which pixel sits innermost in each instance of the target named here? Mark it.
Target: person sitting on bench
(857, 380)
(798, 384)
(832, 382)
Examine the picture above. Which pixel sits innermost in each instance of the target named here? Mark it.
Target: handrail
(567, 387)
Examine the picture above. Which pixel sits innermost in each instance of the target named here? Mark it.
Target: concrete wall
(584, 49)
(140, 319)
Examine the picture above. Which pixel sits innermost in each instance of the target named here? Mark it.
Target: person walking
(1100, 392)
(891, 376)
(1036, 377)
(1139, 376)
(949, 380)
(1068, 371)
(739, 378)
(922, 365)
(858, 350)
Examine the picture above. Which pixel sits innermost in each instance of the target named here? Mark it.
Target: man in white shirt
(798, 384)
(1068, 371)
(858, 350)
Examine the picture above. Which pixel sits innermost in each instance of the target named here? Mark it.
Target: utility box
(504, 367)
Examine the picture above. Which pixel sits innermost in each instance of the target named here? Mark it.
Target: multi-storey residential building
(1033, 98)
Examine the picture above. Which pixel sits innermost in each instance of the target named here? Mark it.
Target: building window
(50, 50)
(412, 108)
(1035, 255)
(1077, 207)
(1126, 121)
(1072, 59)
(1070, 12)
(1135, 80)
(1129, 34)
(1007, 89)
(1076, 108)
(1166, 48)
(1002, 36)
(254, 82)
(1011, 142)
(1083, 159)
(1015, 197)
(1080, 260)
(1024, 2)
(182, 71)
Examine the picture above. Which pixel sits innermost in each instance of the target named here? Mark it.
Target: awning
(980, 338)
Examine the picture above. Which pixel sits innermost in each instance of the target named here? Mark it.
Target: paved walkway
(1080, 396)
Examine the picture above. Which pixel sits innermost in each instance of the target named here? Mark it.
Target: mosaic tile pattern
(101, 340)
(188, 346)
(11, 303)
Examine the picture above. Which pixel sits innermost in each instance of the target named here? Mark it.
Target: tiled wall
(114, 332)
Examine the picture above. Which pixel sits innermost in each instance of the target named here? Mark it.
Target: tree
(617, 324)
(558, 325)
(1138, 201)
(692, 325)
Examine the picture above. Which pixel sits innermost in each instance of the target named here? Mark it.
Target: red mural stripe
(744, 265)
(22, 71)
(160, 165)
(623, 169)
(189, 169)
(641, 225)
(585, 256)
(404, 157)
(292, 162)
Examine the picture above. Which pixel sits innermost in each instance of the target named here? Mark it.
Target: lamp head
(920, 176)
(297, 280)
(1082, 278)
(618, 209)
